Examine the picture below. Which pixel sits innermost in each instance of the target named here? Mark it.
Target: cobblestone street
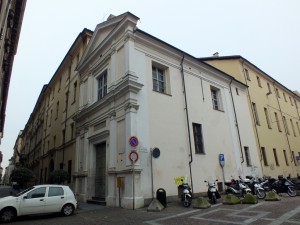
(286, 211)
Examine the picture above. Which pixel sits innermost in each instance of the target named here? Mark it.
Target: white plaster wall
(168, 127)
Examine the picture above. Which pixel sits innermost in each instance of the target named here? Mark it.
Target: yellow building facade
(275, 115)
(48, 139)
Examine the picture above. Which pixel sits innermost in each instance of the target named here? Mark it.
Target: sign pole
(133, 185)
(222, 163)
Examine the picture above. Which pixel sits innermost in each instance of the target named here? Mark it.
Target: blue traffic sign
(221, 160)
(133, 141)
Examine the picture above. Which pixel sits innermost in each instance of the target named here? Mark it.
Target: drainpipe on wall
(254, 119)
(188, 123)
(236, 123)
(66, 118)
(285, 126)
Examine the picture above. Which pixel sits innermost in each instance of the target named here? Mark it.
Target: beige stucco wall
(270, 138)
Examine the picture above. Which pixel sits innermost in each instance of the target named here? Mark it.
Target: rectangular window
(269, 88)
(293, 128)
(275, 157)
(247, 75)
(296, 103)
(55, 191)
(285, 157)
(263, 152)
(291, 100)
(258, 81)
(237, 91)
(72, 130)
(284, 97)
(285, 125)
(247, 156)
(66, 100)
(69, 72)
(102, 85)
(57, 110)
(54, 141)
(255, 113)
(74, 89)
(198, 138)
(50, 118)
(298, 127)
(159, 79)
(267, 118)
(216, 98)
(59, 85)
(278, 123)
(277, 93)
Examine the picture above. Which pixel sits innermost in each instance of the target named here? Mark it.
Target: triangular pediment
(104, 31)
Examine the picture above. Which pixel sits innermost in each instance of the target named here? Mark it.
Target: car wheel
(67, 210)
(7, 215)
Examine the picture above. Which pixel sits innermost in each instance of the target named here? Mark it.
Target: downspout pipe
(284, 125)
(254, 119)
(66, 118)
(236, 122)
(188, 122)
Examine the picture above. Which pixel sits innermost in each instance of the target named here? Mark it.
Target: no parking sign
(133, 141)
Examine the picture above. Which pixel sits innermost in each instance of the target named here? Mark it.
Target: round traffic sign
(133, 141)
(133, 156)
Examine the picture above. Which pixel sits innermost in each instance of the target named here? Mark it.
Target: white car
(38, 199)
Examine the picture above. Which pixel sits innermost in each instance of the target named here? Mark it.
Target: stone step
(98, 201)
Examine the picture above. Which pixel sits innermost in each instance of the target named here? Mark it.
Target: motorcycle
(265, 183)
(186, 195)
(237, 187)
(256, 187)
(283, 185)
(212, 191)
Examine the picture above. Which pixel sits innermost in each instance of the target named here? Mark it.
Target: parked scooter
(186, 196)
(256, 187)
(283, 185)
(237, 187)
(265, 183)
(212, 191)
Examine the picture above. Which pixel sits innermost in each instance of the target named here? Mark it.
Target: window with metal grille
(198, 138)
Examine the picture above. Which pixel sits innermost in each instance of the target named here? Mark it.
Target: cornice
(127, 84)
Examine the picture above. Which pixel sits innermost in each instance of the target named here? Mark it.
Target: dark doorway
(100, 177)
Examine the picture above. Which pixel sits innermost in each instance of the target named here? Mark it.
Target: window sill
(162, 93)
(220, 110)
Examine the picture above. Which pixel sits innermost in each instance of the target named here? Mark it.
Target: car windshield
(24, 191)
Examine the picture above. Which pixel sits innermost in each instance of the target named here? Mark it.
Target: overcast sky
(265, 32)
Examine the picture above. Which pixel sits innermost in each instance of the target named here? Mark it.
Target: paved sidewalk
(83, 206)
